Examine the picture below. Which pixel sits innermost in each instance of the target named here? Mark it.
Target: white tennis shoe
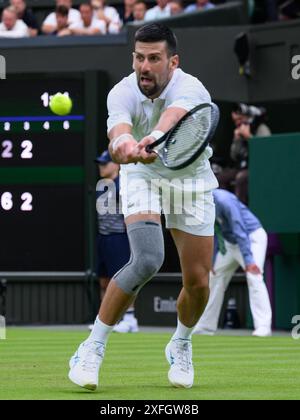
(85, 364)
(179, 356)
(262, 332)
(128, 324)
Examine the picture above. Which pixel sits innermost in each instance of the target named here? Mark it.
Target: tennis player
(142, 107)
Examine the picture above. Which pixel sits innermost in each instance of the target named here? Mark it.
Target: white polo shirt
(127, 104)
(20, 30)
(158, 13)
(73, 17)
(95, 24)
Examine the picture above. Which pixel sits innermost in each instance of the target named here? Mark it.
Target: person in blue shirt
(113, 250)
(240, 240)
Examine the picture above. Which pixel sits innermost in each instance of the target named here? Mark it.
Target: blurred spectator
(62, 24)
(127, 13)
(11, 26)
(139, 11)
(89, 24)
(176, 7)
(26, 14)
(108, 14)
(250, 122)
(50, 23)
(200, 5)
(290, 10)
(162, 10)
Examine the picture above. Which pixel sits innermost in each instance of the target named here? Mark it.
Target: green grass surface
(34, 365)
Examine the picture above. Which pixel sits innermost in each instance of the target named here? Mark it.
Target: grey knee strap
(147, 256)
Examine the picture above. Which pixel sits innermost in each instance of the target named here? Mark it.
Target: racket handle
(148, 148)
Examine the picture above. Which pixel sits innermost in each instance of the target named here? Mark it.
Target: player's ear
(133, 56)
(174, 63)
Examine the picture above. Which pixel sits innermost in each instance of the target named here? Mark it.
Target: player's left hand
(144, 156)
(253, 269)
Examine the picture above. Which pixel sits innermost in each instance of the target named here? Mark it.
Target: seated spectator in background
(62, 21)
(176, 7)
(26, 14)
(200, 5)
(89, 24)
(139, 11)
(50, 23)
(127, 13)
(108, 14)
(11, 26)
(161, 11)
(290, 10)
(250, 122)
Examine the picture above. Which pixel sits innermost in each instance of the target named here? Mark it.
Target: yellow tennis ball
(60, 104)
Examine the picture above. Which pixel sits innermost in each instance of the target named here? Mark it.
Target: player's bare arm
(168, 119)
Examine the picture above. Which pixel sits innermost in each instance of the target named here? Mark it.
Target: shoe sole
(175, 384)
(90, 387)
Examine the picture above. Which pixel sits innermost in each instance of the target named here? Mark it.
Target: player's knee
(197, 285)
(149, 263)
(147, 256)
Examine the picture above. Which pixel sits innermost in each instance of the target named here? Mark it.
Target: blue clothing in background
(236, 222)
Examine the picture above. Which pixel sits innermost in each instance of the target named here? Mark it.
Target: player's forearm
(169, 118)
(48, 29)
(121, 143)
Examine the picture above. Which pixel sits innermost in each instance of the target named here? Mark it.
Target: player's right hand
(126, 152)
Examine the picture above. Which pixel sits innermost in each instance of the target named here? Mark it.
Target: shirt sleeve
(237, 226)
(188, 93)
(119, 104)
(50, 20)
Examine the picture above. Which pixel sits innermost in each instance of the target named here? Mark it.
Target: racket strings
(190, 135)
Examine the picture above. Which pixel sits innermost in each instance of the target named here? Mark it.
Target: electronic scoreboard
(42, 176)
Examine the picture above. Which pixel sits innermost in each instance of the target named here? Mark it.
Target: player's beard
(151, 90)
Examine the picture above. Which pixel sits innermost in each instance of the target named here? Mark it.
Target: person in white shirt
(50, 23)
(142, 108)
(11, 26)
(108, 14)
(161, 11)
(139, 11)
(176, 7)
(89, 25)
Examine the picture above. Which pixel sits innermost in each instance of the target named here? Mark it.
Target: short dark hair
(157, 32)
(62, 10)
(86, 3)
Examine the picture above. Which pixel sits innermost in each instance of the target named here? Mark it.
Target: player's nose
(145, 67)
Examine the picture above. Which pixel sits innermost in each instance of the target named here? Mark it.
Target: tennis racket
(185, 142)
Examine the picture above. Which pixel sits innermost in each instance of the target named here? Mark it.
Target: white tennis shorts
(184, 196)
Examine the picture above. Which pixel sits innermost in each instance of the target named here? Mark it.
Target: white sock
(182, 332)
(100, 331)
(129, 313)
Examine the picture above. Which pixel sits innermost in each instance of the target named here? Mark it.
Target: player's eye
(154, 59)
